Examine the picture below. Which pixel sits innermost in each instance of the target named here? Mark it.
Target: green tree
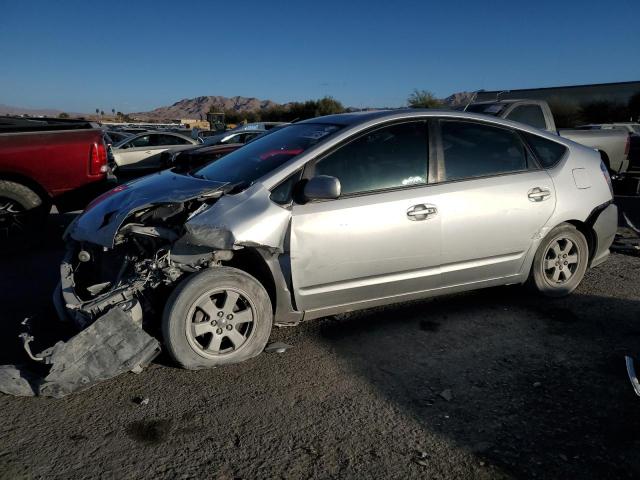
(423, 99)
(565, 114)
(634, 107)
(63, 115)
(603, 111)
(328, 106)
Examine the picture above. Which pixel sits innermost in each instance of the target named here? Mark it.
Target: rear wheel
(217, 317)
(22, 211)
(560, 262)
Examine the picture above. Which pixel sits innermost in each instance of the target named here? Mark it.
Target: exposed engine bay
(125, 254)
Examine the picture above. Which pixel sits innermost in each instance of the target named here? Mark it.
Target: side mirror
(322, 187)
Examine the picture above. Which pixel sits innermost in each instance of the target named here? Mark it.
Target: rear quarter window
(547, 152)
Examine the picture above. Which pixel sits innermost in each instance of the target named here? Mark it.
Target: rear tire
(217, 317)
(22, 212)
(560, 262)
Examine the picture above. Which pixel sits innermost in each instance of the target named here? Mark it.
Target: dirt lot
(489, 384)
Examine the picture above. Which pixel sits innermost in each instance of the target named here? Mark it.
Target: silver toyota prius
(335, 214)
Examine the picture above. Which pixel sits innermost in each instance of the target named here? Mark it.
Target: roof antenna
(500, 93)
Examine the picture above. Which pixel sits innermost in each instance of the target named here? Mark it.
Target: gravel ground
(490, 384)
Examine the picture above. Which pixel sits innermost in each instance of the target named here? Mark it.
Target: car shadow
(28, 279)
(528, 385)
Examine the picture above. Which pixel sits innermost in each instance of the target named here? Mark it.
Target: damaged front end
(125, 254)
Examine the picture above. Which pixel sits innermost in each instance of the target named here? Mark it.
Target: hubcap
(561, 261)
(220, 322)
(11, 217)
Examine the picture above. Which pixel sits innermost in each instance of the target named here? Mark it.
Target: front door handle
(538, 194)
(421, 212)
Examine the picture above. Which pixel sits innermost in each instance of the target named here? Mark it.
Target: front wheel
(217, 317)
(22, 213)
(560, 262)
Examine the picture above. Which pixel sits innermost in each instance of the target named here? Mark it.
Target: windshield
(255, 159)
(487, 108)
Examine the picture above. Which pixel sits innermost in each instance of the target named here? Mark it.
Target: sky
(136, 55)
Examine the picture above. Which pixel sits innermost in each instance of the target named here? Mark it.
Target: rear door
(381, 238)
(492, 199)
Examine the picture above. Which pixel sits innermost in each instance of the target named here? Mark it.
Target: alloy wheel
(561, 260)
(220, 322)
(11, 217)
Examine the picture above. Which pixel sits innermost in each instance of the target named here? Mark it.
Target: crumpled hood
(100, 223)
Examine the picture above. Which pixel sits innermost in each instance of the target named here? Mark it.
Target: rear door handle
(421, 212)
(538, 194)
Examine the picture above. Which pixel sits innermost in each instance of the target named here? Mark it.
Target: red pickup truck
(45, 162)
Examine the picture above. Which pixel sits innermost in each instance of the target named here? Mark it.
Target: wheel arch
(250, 261)
(587, 230)
(29, 183)
(605, 159)
(267, 268)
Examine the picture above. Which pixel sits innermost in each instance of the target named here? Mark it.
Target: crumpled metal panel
(248, 218)
(112, 345)
(101, 222)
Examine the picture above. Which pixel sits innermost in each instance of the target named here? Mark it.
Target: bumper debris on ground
(110, 346)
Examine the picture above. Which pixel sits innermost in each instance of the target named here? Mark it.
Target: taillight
(607, 177)
(627, 146)
(97, 159)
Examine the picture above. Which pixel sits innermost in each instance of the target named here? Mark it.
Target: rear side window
(390, 157)
(529, 115)
(477, 150)
(547, 152)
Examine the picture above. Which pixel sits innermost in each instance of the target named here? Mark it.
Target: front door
(381, 238)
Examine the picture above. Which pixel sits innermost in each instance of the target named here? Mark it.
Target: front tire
(22, 213)
(560, 262)
(217, 317)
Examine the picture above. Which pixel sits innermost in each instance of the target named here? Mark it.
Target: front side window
(529, 115)
(476, 150)
(391, 157)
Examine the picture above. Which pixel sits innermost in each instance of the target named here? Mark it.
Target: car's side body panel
(488, 224)
(357, 249)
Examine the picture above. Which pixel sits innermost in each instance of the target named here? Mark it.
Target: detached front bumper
(605, 227)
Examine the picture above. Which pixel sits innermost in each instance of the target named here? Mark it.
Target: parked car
(189, 159)
(197, 156)
(231, 136)
(257, 126)
(113, 137)
(141, 152)
(336, 214)
(629, 127)
(45, 162)
(612, 145)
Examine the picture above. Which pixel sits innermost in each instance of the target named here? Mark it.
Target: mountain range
(198, 107)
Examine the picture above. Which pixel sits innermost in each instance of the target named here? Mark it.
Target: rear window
(547, 152)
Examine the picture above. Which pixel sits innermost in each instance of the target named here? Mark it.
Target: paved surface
(489, 384)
